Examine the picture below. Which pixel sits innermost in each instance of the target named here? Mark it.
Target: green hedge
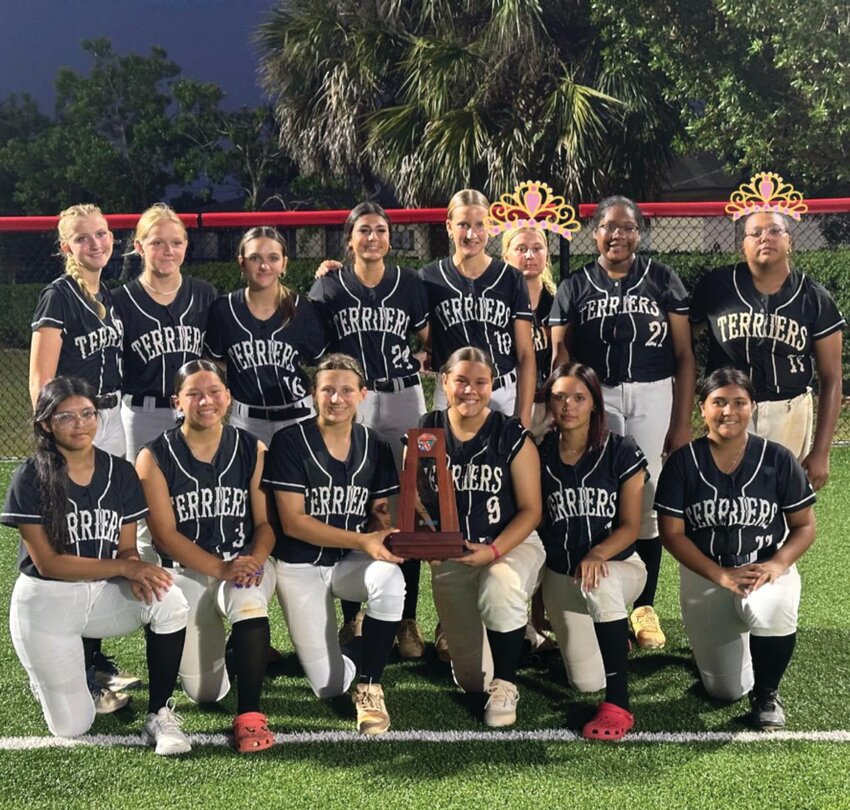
(830, 267)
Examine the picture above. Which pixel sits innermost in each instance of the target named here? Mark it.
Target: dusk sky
(209, 39)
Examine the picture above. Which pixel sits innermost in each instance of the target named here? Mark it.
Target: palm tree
(427, 96)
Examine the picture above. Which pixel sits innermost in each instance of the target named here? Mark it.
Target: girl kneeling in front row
(482, 597)
(592, 488)
(332, 478)
(210, 524)
(76, 508)
(736, 512)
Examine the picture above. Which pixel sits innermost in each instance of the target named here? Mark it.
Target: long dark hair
(597, 429)
(285, 297)
(51, 469)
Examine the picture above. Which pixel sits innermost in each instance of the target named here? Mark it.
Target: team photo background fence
(689, 237)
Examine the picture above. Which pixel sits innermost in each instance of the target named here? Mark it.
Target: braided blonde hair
(72, 269)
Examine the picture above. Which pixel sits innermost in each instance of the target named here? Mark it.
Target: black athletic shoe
(767, 712)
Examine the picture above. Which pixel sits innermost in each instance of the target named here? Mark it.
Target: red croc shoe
(251, 732)
(610, 723)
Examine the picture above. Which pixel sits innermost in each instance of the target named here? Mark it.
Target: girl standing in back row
(373, 309)
(165, 316)
(626, 317)
(264, 333)
(476, 300)
(78, 332)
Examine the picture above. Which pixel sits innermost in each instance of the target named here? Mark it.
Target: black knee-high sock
(410, 570)
(251, 639)
(613, 638)
(349, 610)
(163, 651)
(650, 552)
(506, 649)
(90, 647)
(378, 639)
(771, 656)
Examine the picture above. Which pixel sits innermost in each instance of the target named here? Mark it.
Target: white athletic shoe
(165, 730)
(501, 707)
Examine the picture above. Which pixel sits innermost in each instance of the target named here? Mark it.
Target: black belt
(505, 379)
(107, 401)
(281, 415)
(138, 401)
(395, 384)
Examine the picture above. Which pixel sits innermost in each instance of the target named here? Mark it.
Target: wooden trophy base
(426, 545)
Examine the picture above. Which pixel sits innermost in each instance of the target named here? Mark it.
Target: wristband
(496, 552)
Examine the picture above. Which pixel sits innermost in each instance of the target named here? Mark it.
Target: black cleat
(767, 713)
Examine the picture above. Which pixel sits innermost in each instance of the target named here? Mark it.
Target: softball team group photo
(199, 458)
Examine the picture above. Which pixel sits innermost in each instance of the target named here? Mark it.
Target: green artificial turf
(482, 773)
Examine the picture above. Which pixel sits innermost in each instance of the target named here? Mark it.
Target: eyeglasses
(610, 228)
(66, 419)
(774, 232)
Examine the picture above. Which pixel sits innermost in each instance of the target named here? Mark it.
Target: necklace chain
(570, 451)
(728, 469)
(154, 291)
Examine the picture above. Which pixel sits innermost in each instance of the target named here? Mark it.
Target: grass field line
(424, 736)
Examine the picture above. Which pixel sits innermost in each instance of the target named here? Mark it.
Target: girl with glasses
(76, 509)
(782, 329)
(626, 316)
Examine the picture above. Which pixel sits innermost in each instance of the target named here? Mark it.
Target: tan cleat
(409, 638)
(372, 715)
(647, 628)
(441, 645)
(501, 707)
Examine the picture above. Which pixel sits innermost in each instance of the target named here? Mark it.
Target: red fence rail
(400, 216)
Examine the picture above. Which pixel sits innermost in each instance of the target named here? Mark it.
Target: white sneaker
(165, 729)
(501, 707)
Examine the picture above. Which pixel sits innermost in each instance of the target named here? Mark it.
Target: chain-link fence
(686, 237)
